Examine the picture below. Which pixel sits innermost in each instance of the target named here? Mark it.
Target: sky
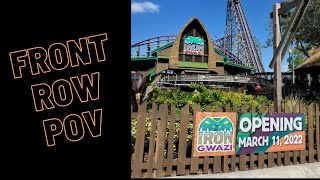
(154, 18)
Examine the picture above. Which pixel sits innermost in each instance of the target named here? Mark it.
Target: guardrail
(208, 77)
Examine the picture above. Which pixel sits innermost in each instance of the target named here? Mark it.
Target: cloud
(284, 68)
(144, 7)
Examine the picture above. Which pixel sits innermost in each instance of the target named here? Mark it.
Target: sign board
(214, 134)
(193, 46)
(270, 132)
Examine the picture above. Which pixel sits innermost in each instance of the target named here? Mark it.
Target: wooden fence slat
(310, 134)
(279, 158)
(194, 168)
(152, 141)
(139, 142)
(318, 132)
(227, 108)
(286, 160)
(225, 159)
(161, 137)
(182, 148)
(206, 158)
(171, 140)
(216, 164)
(271, 154)
(260, 160)
(279, 153)
(217, 159)
(261, 155)
(251, 158)
(224, 162)
(295, 157)
(302, 152)
(295, 153)
(233, 157)
(242, 157)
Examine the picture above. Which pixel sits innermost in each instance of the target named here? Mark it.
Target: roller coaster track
(145, 47)
(238, 37)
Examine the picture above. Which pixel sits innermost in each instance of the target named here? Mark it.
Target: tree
(297, 56)
(308, 32)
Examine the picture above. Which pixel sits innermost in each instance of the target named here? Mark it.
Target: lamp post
(290, 51)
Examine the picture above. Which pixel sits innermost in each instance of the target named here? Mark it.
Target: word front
(58, 56)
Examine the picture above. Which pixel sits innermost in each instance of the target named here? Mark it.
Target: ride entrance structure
(193, 56)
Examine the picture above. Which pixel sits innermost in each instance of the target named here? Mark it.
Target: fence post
(139, 142)
(310, 134)
(184, 119)
(271, 154)
(243, 157)
(295, 152)
(286, 160)
(152, 141)
(302, 152)
(217, 159)
(161, 136)
(171, 140)
(251, 156)
(233, 157)
(226, 157)
(318, 132)
(206, 158)
(262, 109)
(194, 167)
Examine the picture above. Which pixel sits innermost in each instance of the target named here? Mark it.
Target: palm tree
(139, 87)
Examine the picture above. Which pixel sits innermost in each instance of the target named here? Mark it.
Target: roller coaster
(238, 46)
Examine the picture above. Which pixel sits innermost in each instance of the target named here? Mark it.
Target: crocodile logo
(194, 40)
(193, 46)
(216, 124)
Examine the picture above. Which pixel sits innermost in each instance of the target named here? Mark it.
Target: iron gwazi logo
(193, 46)
(215, 134)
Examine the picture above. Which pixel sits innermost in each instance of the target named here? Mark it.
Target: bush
(203, 96)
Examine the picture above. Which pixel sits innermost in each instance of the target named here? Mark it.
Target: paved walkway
(307, 170)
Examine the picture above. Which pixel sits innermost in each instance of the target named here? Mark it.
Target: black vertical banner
(65, 78)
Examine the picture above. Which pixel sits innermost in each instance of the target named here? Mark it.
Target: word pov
(62, 92)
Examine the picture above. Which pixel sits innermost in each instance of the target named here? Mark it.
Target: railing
(207, 77)
(169, 38)
(135, 75)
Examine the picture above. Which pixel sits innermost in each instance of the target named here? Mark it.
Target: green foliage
(297, 56)
(203, 96)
